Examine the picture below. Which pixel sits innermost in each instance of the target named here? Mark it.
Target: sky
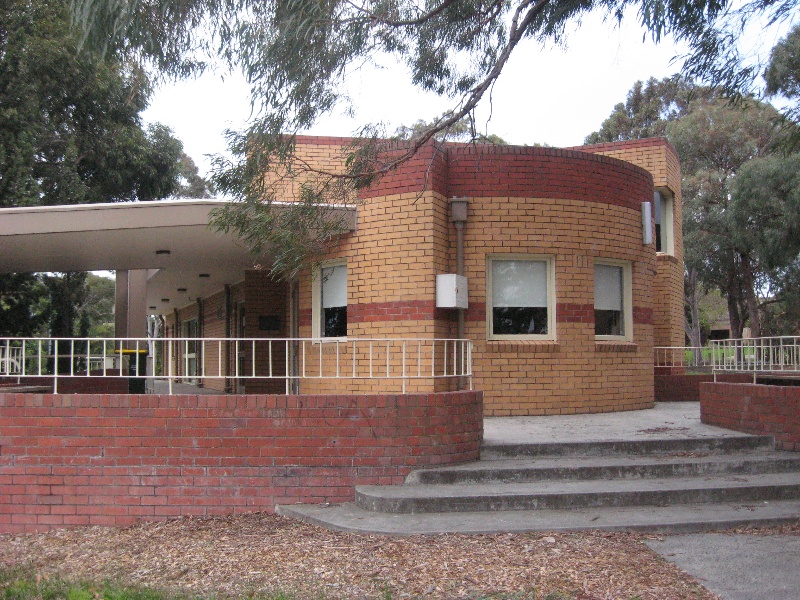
(552, 95)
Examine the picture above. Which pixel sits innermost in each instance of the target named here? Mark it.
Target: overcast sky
(553, 95)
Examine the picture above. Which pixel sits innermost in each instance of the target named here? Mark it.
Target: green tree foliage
(70, 130)
(782, 77)
(296, 55)
(24, 305)
(714, 140)
(765, 210)
(190, 183)
(783, 72)
(464, 130)
(647, 110)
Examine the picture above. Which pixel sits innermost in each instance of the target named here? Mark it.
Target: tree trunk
(733, 294)
(748, 283)
(692, 319)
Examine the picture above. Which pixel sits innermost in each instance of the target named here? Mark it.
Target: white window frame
(627, 298)
(551, 297)
(317, 321)
(666, 203)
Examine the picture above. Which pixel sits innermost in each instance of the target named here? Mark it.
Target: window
(662, 207)
(612, 301)
(330, 301)
(520, 289)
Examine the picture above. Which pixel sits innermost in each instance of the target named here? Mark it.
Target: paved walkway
(734, 566)
(667, 420)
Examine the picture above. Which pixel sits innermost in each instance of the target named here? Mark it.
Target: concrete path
(738, 566)
(734, 566)
(668, 420)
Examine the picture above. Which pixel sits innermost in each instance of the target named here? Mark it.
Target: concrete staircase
(658, 485)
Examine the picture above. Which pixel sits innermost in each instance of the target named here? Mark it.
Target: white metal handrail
(682, 356)
(237, 358)
(757, 355)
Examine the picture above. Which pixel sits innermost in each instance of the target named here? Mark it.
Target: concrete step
(557, 495)
(711, 444)
(571, 468)
(683, 518)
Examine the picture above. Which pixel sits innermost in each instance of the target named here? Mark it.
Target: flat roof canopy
(169, 238)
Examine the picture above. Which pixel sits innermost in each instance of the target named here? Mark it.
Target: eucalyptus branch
(376, 18)
(519, 26)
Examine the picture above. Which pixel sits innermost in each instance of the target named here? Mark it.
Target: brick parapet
(754, 408)
(69, 460)
(557, 174)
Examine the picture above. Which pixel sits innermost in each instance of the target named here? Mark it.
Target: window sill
(328, 340)
(522, 346)
(615, 346)
(666, 257)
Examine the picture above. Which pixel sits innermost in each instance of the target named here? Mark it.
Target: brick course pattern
(754, 408)
(660, 159)
(73, 460)
(573, 206)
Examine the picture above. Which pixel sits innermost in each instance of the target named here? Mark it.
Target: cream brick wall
(574, 373)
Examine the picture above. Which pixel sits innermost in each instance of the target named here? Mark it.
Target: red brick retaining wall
(681, 387)
(758, 409)
(113, 459)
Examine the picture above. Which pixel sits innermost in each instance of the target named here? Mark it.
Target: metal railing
(683, 356)
(767, 355)
(238, 359)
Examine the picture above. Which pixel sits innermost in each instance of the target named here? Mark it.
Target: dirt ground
(259, 552)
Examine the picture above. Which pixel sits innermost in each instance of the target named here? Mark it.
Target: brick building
(566, 297)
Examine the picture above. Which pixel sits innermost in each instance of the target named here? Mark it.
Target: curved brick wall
(520, 171)
(553, 173)
(573, 373)
(113, 459)
(574, 206)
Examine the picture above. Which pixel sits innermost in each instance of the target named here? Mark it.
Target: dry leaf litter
(259, 552)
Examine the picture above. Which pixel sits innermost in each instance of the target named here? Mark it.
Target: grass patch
(24, 584)
(20, 583)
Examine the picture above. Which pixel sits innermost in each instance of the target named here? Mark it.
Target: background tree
(765, 210)
(70, 132)
(23, 305)
(465, 130)
(297, 53)
(190, 183)
(648, 108)
(782, 77)
(715, 139)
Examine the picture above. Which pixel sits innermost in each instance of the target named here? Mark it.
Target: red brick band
(574, 313)
(520, 172)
